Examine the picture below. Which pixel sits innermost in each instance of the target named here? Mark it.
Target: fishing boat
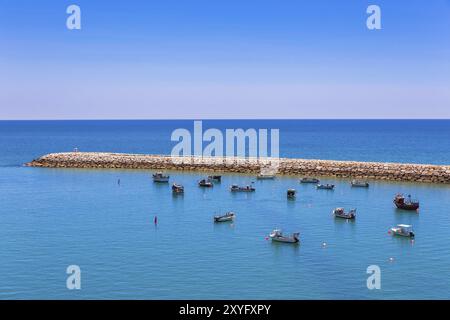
(177, 188)
(265, 176)
(325, 186)
(215, 178)
(291, 194)
(405, 204)
(277, 235)
(160, 177)
(205, 183)
(404, 230)
(309, 180)
(229, 216)
(359, 184)
(236, 188)
(340, 213)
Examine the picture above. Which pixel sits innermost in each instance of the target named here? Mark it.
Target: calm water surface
(52, 218)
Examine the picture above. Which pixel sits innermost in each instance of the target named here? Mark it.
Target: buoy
(155, 220)
(324, 244)
(391, 259)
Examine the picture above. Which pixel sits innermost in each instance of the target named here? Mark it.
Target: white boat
(340, 213)
(325, 186)
(236, 188)
(265, 176)
(229, 216)
(205, 183)
(359, 184)
(404, 230)
(177, 188)
(160, 177)
(277, 235)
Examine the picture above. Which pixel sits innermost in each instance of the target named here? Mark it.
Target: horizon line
(231, 119)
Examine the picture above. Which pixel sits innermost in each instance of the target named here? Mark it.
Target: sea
(51, 219)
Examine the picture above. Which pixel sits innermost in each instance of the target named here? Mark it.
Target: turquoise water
(53, 218)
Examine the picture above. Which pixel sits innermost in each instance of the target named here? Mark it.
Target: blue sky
(224, 59)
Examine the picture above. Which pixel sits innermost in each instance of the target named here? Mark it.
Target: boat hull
(315, 181)
(402, 234)
(348, 217)
(360, 185)
(325, 187)
(223, 219)
(409, 207)
(242, 190)
(265, 177)
(285, 240)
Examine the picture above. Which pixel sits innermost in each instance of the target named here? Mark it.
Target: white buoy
(324, 244)
(391, 259)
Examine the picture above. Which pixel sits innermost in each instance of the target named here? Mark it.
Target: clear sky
(224, 59)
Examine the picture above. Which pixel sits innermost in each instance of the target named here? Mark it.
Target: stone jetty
(283, 166)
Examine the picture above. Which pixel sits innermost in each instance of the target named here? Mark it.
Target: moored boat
(359, 184)
(277, 235)
(405, 204)
(229, 216)
(247, 188)
(160, 177)
(325, 186)
(340, 213)
(215, 178)
(404, 230)
(291, 193)
(177, 188)
(205, 183)
(265, 176)
(309, 180)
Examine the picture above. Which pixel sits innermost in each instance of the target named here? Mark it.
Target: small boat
(404, 230)
(405, 204)
(265, 176)
(215, 178)
(236, 188)
(177, 188)
(291, 194)
(309, 180)
(325, 186)
(340, 213)
(277, 235)
(205, 183)
(229, 216)
(160, 177)
(359, 184)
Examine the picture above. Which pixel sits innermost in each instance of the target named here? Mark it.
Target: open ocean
(53, 218)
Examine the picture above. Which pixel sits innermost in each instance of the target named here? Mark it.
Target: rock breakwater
(286, 166)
